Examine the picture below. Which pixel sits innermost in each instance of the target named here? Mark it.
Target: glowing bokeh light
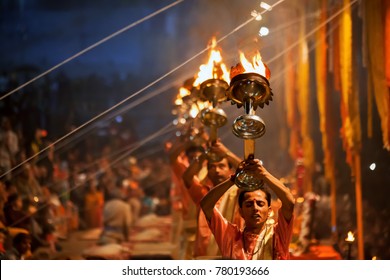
(265, 6)
(264, 31)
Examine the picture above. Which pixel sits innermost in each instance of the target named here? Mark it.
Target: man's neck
(255, 230)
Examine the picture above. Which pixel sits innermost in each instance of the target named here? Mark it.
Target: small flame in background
(194, 111)
(214, 69)
(183, 92)
(350, 237)
(257, 65)
(187, 107)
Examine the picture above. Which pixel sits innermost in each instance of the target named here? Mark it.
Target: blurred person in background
(21, 248)
(134, 196)
(117, 219)
(22, 214)
(218, 171)
(93, 205)
(182, 153)
(26, 183)
(9, 147)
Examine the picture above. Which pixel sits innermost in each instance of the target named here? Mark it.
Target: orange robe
(93, 210)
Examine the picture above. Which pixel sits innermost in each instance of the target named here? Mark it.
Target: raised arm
(211, 198)
(193, 170)
(220, 148)
(281, 191)
(177, 148)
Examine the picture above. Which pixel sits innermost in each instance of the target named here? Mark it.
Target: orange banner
(325, 108)
(386, 14)
(350, 131)
(304, 107)
(378, 68)
(291, 102)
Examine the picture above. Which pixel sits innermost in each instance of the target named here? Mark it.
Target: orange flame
(194, 111)
(214, 69)
(257, 65)
(350, 237)
(182, 93)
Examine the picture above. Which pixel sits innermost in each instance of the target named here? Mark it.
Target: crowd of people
(45, 195)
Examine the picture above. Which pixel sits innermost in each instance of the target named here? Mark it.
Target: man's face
(255, 209)
(24, 246)
(18, 203)
(218, 171)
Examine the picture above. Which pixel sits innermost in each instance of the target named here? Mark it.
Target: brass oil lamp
(250, 89)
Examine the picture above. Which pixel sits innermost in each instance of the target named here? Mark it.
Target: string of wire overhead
(129, 97)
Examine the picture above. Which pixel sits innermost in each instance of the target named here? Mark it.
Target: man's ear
(269, 211)
(240, 211)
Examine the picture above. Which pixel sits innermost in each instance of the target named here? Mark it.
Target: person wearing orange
(181, 154)
(218, 171)
(93, 205)
(258, 239)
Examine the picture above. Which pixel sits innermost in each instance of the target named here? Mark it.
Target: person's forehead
(224, 161)
(194, 153)
(255, 195)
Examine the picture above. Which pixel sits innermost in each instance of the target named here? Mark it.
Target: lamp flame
(214, 69)
(183, 92)
(350, 237)
(202, 104)
(194, 111)
(257, 65)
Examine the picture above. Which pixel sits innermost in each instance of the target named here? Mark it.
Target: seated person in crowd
(117, 219)
(15, 215)
(259, 239)
(21, 247)
(19, 215)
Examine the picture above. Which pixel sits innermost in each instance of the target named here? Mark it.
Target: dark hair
(20, 237)
(13, 197)
(193, 149)
(264, 189)
(230, 165)
(115, 194)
